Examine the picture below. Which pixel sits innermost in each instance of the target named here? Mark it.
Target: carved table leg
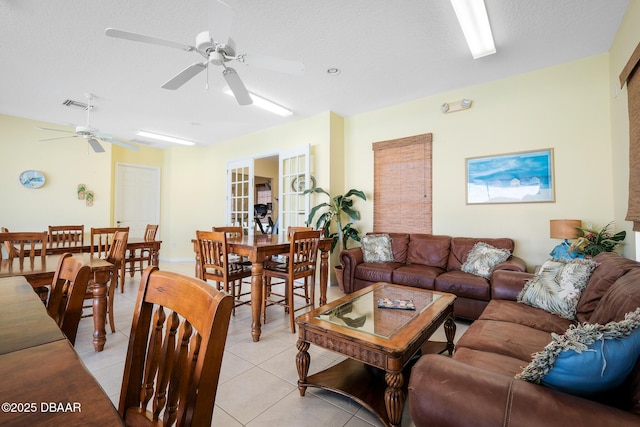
(324, 276)
(302, 363)
(450, 333)
(394, 397)
(100, 309)
(256, 300)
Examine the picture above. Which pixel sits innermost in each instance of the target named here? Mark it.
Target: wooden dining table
(257, 248)
(44, 382)
(40, 273)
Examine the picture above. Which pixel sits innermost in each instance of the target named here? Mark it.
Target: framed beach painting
(524, 177)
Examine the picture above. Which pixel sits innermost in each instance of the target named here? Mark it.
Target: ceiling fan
(217, 49)
(90, 134)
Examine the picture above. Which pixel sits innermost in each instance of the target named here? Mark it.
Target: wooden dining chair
(66, 236)
(101, 238)
(137, 258)
(68, 289)
(116, 256)
(25, 246)
(233, 231)
(175, 351)
(215, 265)
(300, 265)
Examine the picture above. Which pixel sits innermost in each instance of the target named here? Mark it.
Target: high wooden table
(43, 380)
(257, 248)
(41, 274)
(380, 344)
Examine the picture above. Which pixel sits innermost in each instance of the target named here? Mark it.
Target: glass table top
(365, 314)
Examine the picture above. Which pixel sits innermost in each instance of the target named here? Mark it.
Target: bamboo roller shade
(632, 78)
(402, 190)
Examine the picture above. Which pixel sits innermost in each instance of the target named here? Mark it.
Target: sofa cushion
(464, 285)
(514, 312)
(460, 247)
(483, 258)
(589, 358)
(427, 249)
(558, 285)
(508, 339)
(611, 267)
(491, 361)
(377, 248)
(376, 272)
(417, 275)
(621, 298)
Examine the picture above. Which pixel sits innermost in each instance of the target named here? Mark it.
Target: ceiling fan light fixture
(165, 138)
(265, 104)
(473, 18)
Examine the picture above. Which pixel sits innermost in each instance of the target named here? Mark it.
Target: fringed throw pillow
(589, 358)
(483, 258)
(377, 248)
(558, 285)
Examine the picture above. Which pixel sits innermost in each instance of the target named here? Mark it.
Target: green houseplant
(333, 210)
(339, 205)
(594, 241)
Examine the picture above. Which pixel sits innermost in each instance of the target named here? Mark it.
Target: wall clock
(32, 179)
(298, 184)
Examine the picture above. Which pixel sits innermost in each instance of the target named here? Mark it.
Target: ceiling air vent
(75, 104)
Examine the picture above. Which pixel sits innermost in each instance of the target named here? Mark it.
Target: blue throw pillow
(589, 358)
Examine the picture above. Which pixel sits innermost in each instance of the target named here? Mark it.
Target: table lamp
(564, 229)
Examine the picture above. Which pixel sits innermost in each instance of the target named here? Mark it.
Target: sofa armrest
(446, 392)
(514, 263)
(350, 258)
(506, 284)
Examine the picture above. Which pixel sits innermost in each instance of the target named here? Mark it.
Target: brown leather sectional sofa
(430, 262)
(477, 387)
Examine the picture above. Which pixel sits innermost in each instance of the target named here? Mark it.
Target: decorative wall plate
(298, 184)
(32, 179)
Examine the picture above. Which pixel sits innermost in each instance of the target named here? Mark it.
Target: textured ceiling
(388, 52)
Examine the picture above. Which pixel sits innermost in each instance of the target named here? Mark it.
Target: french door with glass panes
(240, 194)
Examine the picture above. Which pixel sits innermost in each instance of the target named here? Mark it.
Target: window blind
(402, 191)
(630, 76)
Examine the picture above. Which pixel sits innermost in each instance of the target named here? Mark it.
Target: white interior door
(294, 179)
(137, 198)
(240, 195)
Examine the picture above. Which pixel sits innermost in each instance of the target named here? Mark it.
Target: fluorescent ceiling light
(165, 138)
(265, 104)
(472, 15)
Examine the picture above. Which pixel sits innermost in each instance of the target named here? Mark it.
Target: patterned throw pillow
(589, 358)
(558, 285)
(377, 248)
(483, 258)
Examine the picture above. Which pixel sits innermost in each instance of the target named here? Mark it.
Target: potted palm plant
(328, 212)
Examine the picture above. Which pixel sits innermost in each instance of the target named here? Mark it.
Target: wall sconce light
(452, 107)
(564, 229)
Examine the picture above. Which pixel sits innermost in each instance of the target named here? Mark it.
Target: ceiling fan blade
(271, 63)
(184, 76)
(237, 87)
(120, 143)
(95, 145)
(59, 137)
(57, 130)
(112, 32)
(220, 19)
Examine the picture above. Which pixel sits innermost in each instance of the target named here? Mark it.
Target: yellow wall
(564, 107)
(194, 179)
(65, 164)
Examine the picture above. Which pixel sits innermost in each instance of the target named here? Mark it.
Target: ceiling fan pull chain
(207, 82)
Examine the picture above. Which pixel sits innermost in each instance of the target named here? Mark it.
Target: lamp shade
(564, 228)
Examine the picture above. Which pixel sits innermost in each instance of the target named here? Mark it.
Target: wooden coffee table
(379, 344)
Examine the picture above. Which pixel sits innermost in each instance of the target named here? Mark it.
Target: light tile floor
(257, 384)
